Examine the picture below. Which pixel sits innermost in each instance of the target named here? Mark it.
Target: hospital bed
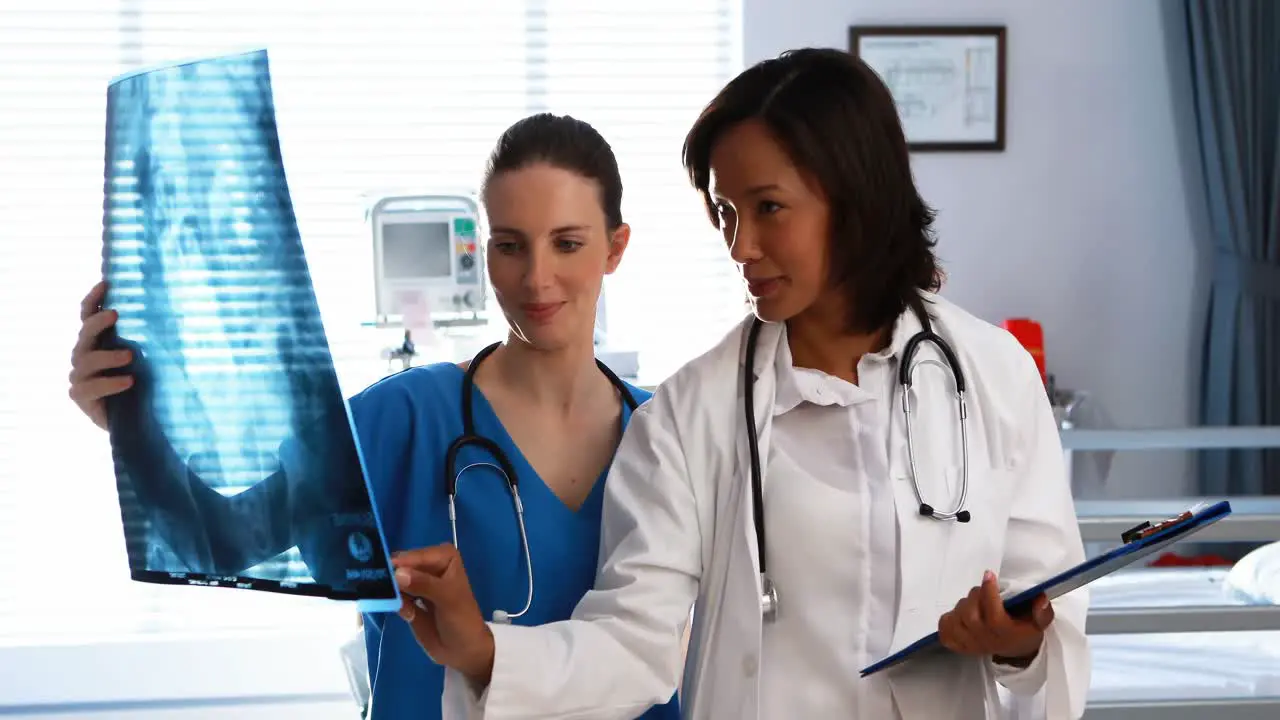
(1184, 642)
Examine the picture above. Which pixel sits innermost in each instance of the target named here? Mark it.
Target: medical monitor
(427, 253)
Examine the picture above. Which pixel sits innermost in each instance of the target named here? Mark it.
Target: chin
(553, 336)
(774, 309)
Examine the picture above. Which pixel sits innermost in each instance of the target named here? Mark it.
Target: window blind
(372, 97)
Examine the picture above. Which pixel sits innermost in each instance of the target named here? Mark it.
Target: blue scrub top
(405, 423)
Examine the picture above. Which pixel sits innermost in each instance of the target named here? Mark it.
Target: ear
(617, 246)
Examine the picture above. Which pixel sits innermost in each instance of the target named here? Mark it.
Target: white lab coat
(677, 527)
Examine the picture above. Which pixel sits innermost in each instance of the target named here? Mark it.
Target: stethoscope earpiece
(501, 617)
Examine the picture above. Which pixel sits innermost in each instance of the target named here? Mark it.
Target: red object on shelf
(1173, 560)
(1031, 335)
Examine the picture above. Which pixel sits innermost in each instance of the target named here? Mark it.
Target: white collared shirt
(832, 543)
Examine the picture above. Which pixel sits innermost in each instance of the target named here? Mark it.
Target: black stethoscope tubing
(769, 598)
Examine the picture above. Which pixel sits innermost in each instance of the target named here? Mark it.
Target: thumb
(422, 586)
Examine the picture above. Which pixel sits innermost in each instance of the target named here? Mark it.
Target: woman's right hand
(88, 387)
(446, 621)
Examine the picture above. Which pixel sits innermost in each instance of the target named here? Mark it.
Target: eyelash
(510, 247)
(764, 207)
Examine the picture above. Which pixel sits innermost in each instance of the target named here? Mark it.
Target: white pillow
(1256, 578)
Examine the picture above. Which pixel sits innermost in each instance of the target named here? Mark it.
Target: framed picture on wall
(948, 81)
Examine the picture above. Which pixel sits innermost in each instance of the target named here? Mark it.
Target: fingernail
(407, 612)
(988, 576)
(402, 577)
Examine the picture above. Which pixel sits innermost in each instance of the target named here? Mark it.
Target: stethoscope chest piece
(768, 599)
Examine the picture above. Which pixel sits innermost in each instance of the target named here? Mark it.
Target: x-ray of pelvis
(235, 457)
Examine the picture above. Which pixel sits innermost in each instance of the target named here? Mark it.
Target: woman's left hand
(979, 625)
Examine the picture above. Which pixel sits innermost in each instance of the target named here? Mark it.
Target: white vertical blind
(372, 96)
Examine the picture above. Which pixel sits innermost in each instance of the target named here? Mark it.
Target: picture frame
(948, 82)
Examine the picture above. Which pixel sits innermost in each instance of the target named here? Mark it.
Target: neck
(819, 341)
(558, 379)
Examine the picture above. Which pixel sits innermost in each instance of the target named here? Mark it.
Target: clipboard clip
(1147, 528)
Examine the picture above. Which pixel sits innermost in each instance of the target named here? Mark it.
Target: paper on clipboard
(1147, 540)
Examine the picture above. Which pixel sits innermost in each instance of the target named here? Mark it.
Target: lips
(763, 287)
(540, 312)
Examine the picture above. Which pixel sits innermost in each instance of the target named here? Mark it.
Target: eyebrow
(500, 230)
(753, 190)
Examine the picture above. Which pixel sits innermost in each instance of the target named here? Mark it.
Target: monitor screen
(416, 250)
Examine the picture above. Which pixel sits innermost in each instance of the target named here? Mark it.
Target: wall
(1082, 222)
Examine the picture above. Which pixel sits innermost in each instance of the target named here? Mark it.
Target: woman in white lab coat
(803, 166)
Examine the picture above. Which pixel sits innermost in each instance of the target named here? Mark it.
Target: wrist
(1020, 661)
(480, 671)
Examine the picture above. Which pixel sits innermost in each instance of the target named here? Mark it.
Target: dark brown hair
(838, 123)
(566, 143)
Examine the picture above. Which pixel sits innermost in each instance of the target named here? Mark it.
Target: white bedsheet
(1180, 666)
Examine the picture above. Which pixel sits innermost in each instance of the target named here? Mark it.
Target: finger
(991, 606)
(424, 585)
(90, 391)
(947, 632)
(413, 608)
(435, 560)
(420, 618)
(408, 609)
(978, 636)
(91, 329)
(969, 611)
(90, 364)
(958, 638)
(1042, 613)
(93, 300)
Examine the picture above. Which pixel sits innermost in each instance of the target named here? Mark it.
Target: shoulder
(713, 372)
(639, 394)
(1008, 394)
(388, 413)
(403, 422)
(989, 352)
(434, 386)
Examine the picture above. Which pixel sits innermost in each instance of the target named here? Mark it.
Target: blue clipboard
(1138, 543)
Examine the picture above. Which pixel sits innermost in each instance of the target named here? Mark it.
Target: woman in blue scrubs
(552, 196)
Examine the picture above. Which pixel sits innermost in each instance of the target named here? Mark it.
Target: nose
(744, 246)
(539, 267)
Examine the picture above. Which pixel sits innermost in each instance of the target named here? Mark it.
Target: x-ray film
(235, 456)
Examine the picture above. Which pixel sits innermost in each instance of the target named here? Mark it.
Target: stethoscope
(503, 467)
(768, 593)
